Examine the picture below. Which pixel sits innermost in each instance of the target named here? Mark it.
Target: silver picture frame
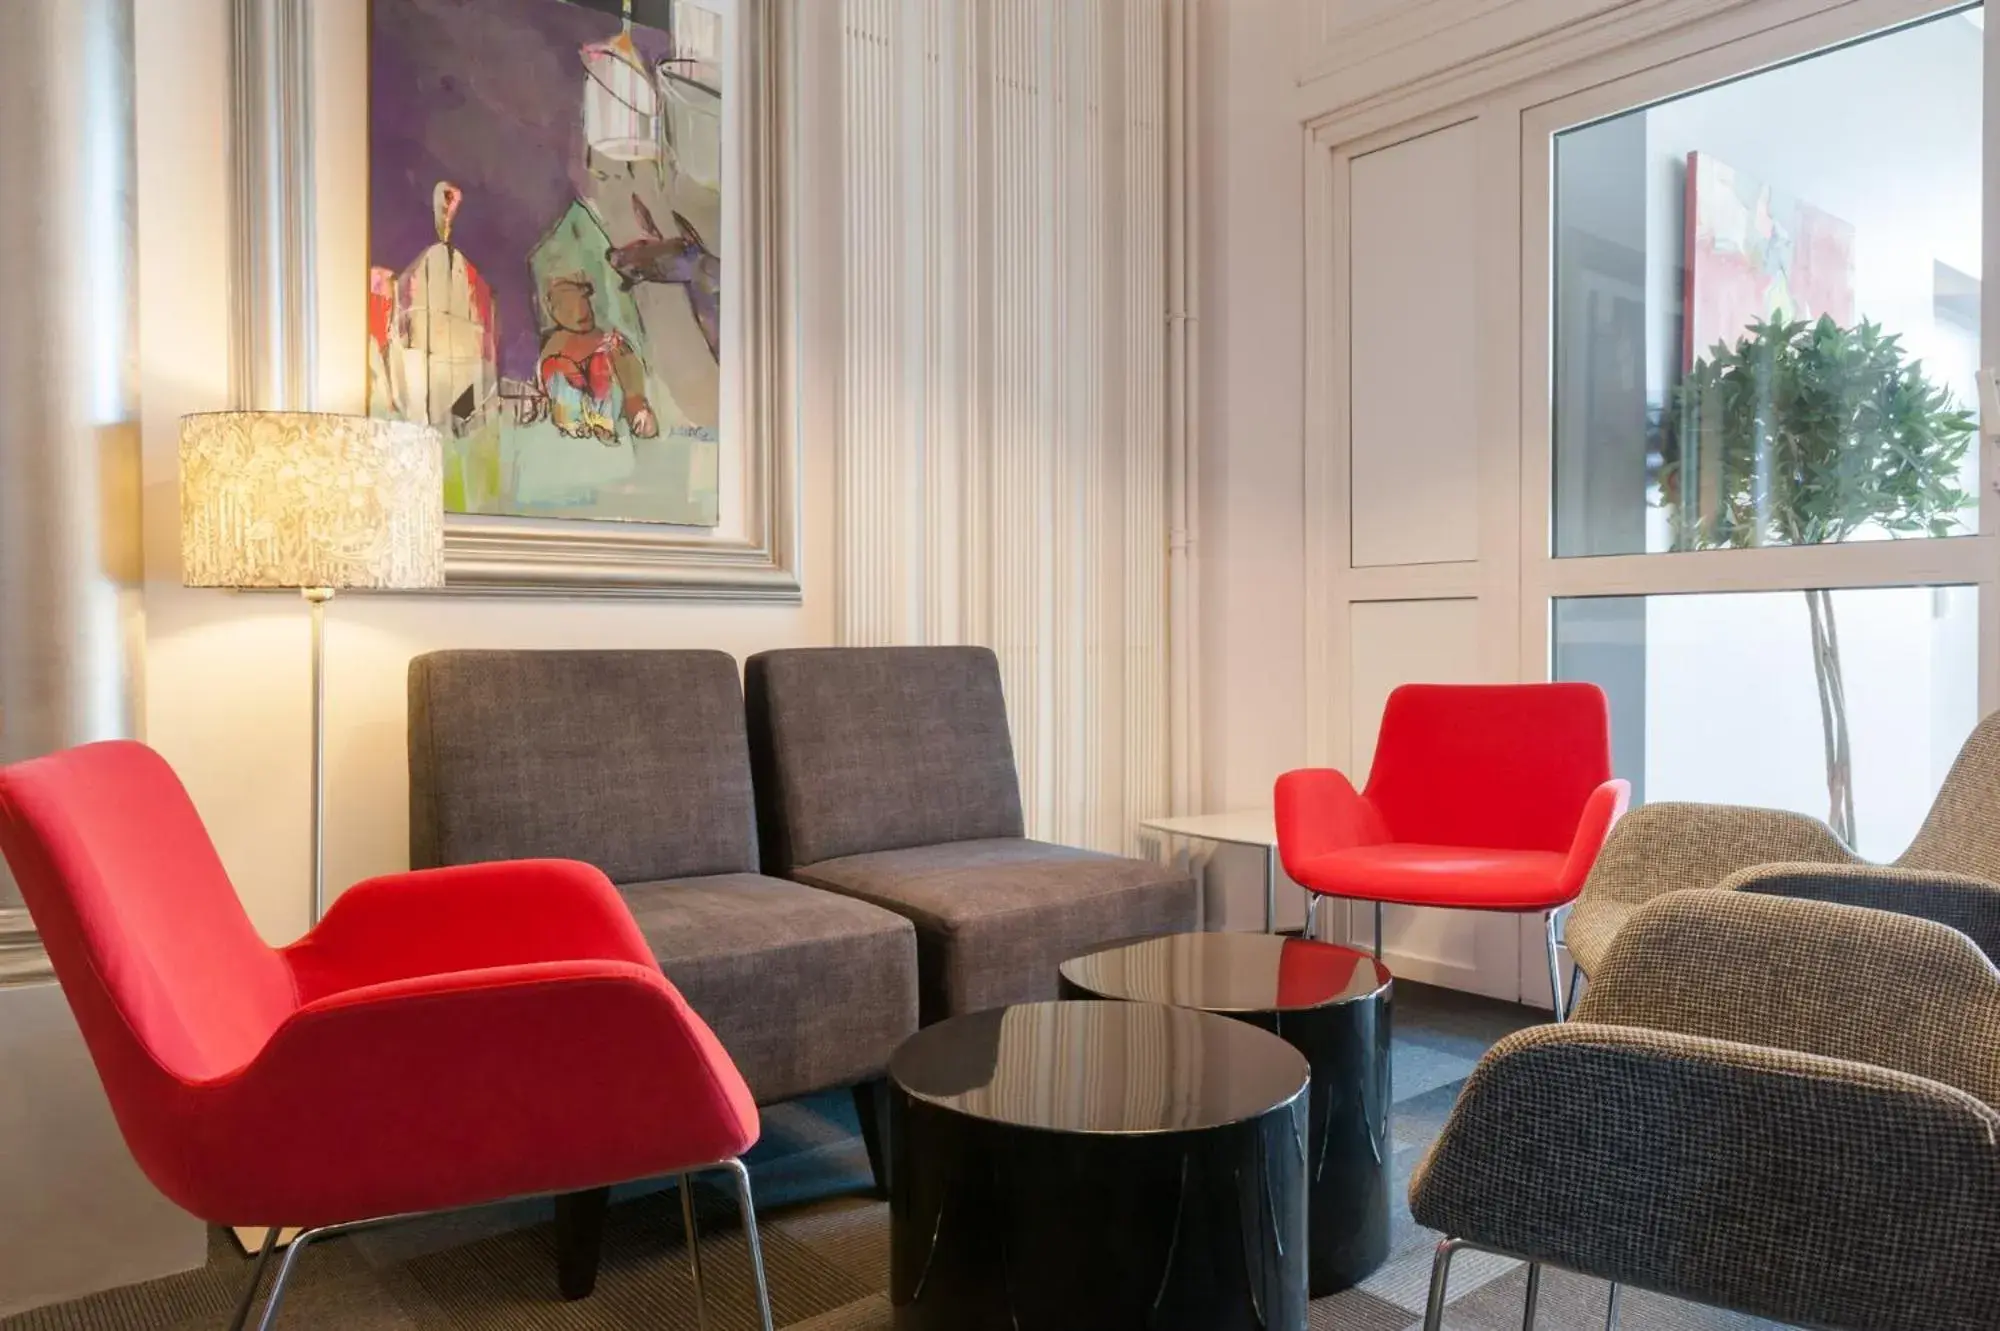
(274, 311)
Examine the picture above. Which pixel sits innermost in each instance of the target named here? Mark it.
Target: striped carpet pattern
(826, 1244)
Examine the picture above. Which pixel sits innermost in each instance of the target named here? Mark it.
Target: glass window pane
(1767, 305)
(1717, 697)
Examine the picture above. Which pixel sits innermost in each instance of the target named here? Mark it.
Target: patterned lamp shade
(309, 500)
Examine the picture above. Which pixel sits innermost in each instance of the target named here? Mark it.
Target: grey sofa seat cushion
(805, 989)
(635, 761)
(996, 917)
(876, 748)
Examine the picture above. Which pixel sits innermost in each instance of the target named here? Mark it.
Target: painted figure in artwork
(679, 260)
(592, 377)
(433, 325)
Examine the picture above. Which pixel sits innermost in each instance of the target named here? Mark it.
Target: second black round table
(1332, 1004)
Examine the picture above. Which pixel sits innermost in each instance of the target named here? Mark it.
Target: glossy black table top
(1100, 1067)
(1230, 972)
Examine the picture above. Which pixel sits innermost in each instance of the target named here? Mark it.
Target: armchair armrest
(467, 917)
(1672, 847)
(1318, 812)
(441, 1091)
(1960, 901)
(1809, 977)
(1806, 1190)
(1604, 808)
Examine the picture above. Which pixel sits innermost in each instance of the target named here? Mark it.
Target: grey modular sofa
(887, 775)
(637, 762)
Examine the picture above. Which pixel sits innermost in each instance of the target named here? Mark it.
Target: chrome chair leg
(276, 1298)
(1555, 966)
(1534, 1296)
(743, 1201)
(258, 1270)
(693, 1231)
(1378, 931)
(1312, 915)
(1611, 1312)
(1576, 981)
(1440, 1276)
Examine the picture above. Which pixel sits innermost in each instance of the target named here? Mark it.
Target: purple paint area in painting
(487, 94)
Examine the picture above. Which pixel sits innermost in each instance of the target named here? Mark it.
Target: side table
(1245, 827)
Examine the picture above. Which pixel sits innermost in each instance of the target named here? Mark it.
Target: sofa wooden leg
(579, 1240)
(868, 1097)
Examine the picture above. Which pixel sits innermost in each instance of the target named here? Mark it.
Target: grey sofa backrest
(635, 761)
(861, 749)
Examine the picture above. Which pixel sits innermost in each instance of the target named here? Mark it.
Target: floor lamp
(316, 502)
(319, 503)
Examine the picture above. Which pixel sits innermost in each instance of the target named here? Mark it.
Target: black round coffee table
(1332, 1005)
(1065, 1165)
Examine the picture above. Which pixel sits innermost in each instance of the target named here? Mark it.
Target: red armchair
(440, 1040)
(1481, 797)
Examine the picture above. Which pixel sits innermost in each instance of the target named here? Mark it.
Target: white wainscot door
(1416, 540)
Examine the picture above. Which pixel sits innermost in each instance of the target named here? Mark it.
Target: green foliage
(1807, 432)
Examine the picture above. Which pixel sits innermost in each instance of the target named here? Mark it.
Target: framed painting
(1754, 252)
(574, 246)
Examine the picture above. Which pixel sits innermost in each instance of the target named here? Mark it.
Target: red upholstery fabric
(441, 1039)
(1487, 797)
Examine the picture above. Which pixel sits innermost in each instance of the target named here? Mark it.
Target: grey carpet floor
(826, 1243)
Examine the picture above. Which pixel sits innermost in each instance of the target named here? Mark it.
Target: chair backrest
(1502, 766)
(877, 748)
(1815, 977)
(634, 761)
(147, 936)
(1961, 834)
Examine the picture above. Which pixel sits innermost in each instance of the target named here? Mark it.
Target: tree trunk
(1832, 714)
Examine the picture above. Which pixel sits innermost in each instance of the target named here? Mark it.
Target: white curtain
(1002, 457)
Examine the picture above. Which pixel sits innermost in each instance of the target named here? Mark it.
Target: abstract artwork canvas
(1754, 251)
(546, 281)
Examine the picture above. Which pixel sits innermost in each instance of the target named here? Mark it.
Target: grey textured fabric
(860, 749)
(635, 761)
(1843, 982)
(1784, 1107)
(1671, 847)
(995, 918)
(805, 989)
(1967, 904)
(1803, 1189)
(1674, 847)
(1962, 832)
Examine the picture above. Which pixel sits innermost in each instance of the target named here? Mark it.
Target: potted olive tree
(1804, 433)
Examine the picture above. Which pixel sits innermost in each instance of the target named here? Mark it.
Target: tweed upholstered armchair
(1946, 875)
(1786, 1108)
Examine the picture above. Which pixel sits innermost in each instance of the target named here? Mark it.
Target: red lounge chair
(1481, 797)
(440, 1040)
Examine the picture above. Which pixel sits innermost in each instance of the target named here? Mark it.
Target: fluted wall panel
(1002, 456)
(1143, 247)
(871, 431)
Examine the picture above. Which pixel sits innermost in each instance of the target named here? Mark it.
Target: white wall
(1251, 539)
(76, 1215)
(226, 696)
